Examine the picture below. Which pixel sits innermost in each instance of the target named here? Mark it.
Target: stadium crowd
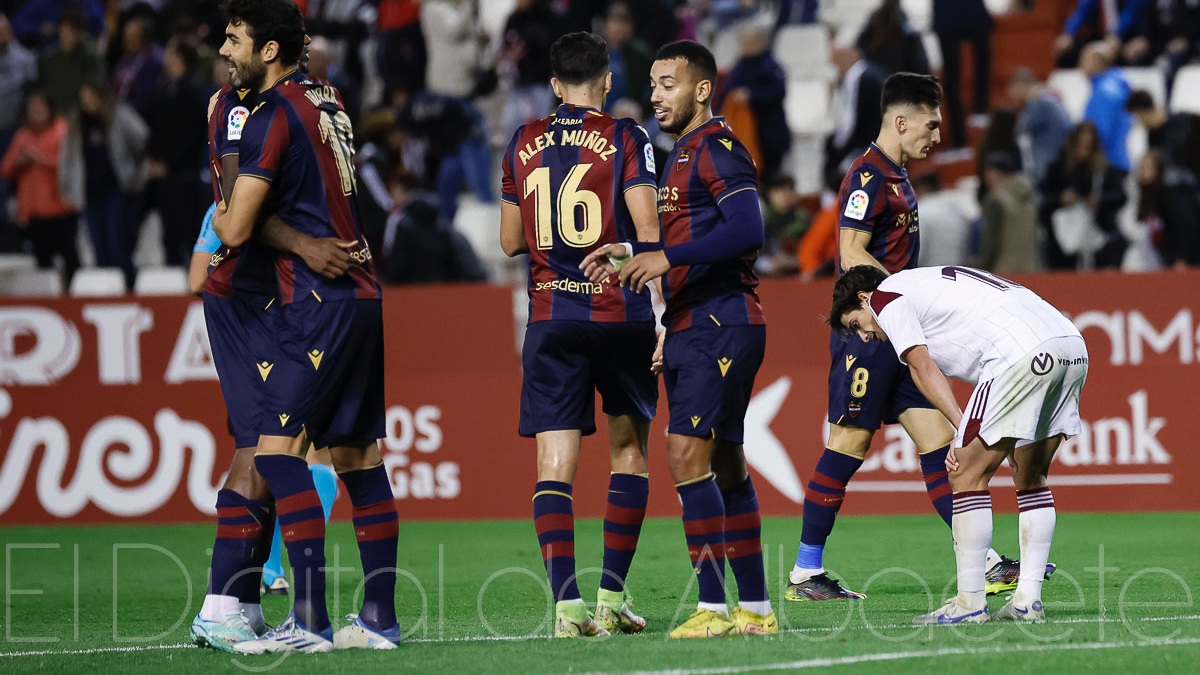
(102, 123)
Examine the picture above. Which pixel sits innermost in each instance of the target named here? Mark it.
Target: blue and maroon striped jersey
(876, 197)
(707, 165)
(299, 138)
(568, 173)
(250, 267)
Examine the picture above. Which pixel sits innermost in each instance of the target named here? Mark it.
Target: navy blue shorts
(241, 335)
(329, 378)
(868, 386)
(566, 362)
(709, 373)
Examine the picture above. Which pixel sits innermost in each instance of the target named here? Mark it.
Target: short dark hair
(845, 292)
(186, 52)
(268, 20)
(697, 55)
(578, 58)
(1139, 100)
(910, 89)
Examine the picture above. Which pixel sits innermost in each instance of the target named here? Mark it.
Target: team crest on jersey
(854, 408)
(649, 150)
(856, 206)
(685, 156)
(237, 122)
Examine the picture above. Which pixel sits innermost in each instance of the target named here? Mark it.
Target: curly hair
(267, 20)
(845, 292)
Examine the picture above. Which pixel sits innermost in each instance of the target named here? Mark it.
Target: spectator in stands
(1009, 241)
(1112, 21)
(419, 246)
(1168, 212)
(457, 151)
(35, 23)
(1176, 135)
(528, 34)
(758, 80)
(629, 58)
(453, 38)
(18, 69)
(1106, 107)
(101, 169)
(31, 163)
(796, 12)
(946, 227)
(890, 41)
(959, 22)
(400, 56)
(64, 69)
(999, 137)
(857, 118)
(818, 246)
(1042, 123)
(1081, 179)
(137, 75)
(785, 222)
(1166, 32)
(174, 153)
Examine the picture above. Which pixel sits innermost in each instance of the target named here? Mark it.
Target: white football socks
(217, 607)
(1037, 520)
(972, 528)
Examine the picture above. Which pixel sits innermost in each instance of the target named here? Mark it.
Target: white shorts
(1033, 400)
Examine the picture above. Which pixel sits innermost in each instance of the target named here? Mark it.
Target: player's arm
(198, 272)
(329, 257)
(933, 383)
(206, 245)
(234, 222)
(853, 246)
(512, 232)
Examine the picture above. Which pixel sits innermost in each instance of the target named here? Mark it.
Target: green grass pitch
(473, 599)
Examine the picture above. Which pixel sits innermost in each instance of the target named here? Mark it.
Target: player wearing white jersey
(1028, 363)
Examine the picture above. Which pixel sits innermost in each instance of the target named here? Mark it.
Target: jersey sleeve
(726, 167)
(639, 158)
(896, 317)
(208, 241)
(264, 141)
(860, 204)
(508, 179)
(232, 115)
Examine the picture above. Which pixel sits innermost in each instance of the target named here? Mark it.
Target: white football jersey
(974, 323)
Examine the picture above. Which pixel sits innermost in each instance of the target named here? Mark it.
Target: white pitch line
(1007, 481)
(901, 656)
(522, 638)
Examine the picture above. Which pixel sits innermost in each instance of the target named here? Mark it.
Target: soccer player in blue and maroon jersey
(715, 338)
(574, 181)
(868, 386)
(242, 337)
(295, 160)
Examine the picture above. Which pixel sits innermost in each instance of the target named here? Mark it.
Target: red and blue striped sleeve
(639, 158)
(860, 201)
(264, 141)
(508, 180)
(725, 167)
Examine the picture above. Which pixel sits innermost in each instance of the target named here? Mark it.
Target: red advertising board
(110, 410)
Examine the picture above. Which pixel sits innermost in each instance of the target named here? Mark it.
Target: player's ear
(864, 299)
(270, 51)
(556, 86)
(704, 92)
(607, 82)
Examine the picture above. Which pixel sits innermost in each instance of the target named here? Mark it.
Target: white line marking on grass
(522, 638)
(1007, 481)
(901, 656)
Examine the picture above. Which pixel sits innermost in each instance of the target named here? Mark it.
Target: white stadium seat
(807, 107)
(98, 282)
(37, 283)
(1074, 88)
(804, 52)
(161, 281)
(1185, 95)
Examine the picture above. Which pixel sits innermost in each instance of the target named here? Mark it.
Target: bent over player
(1028, 363)
(715, 336)
(573, 181)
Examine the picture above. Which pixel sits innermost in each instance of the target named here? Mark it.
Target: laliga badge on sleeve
(237, 121)
(856, 206)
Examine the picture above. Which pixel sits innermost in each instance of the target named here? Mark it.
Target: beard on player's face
(248, 74)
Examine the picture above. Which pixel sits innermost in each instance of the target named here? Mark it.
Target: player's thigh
(242, 339)
(712, 379)
(849, 440)
(977, 463)
(862, 381)
(621, 355)
(927, 427)
(557, 387)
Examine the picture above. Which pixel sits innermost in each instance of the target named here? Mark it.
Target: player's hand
(598, 264)
(951, 459)
(656, 361)
(328, 257)
(644, 268)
